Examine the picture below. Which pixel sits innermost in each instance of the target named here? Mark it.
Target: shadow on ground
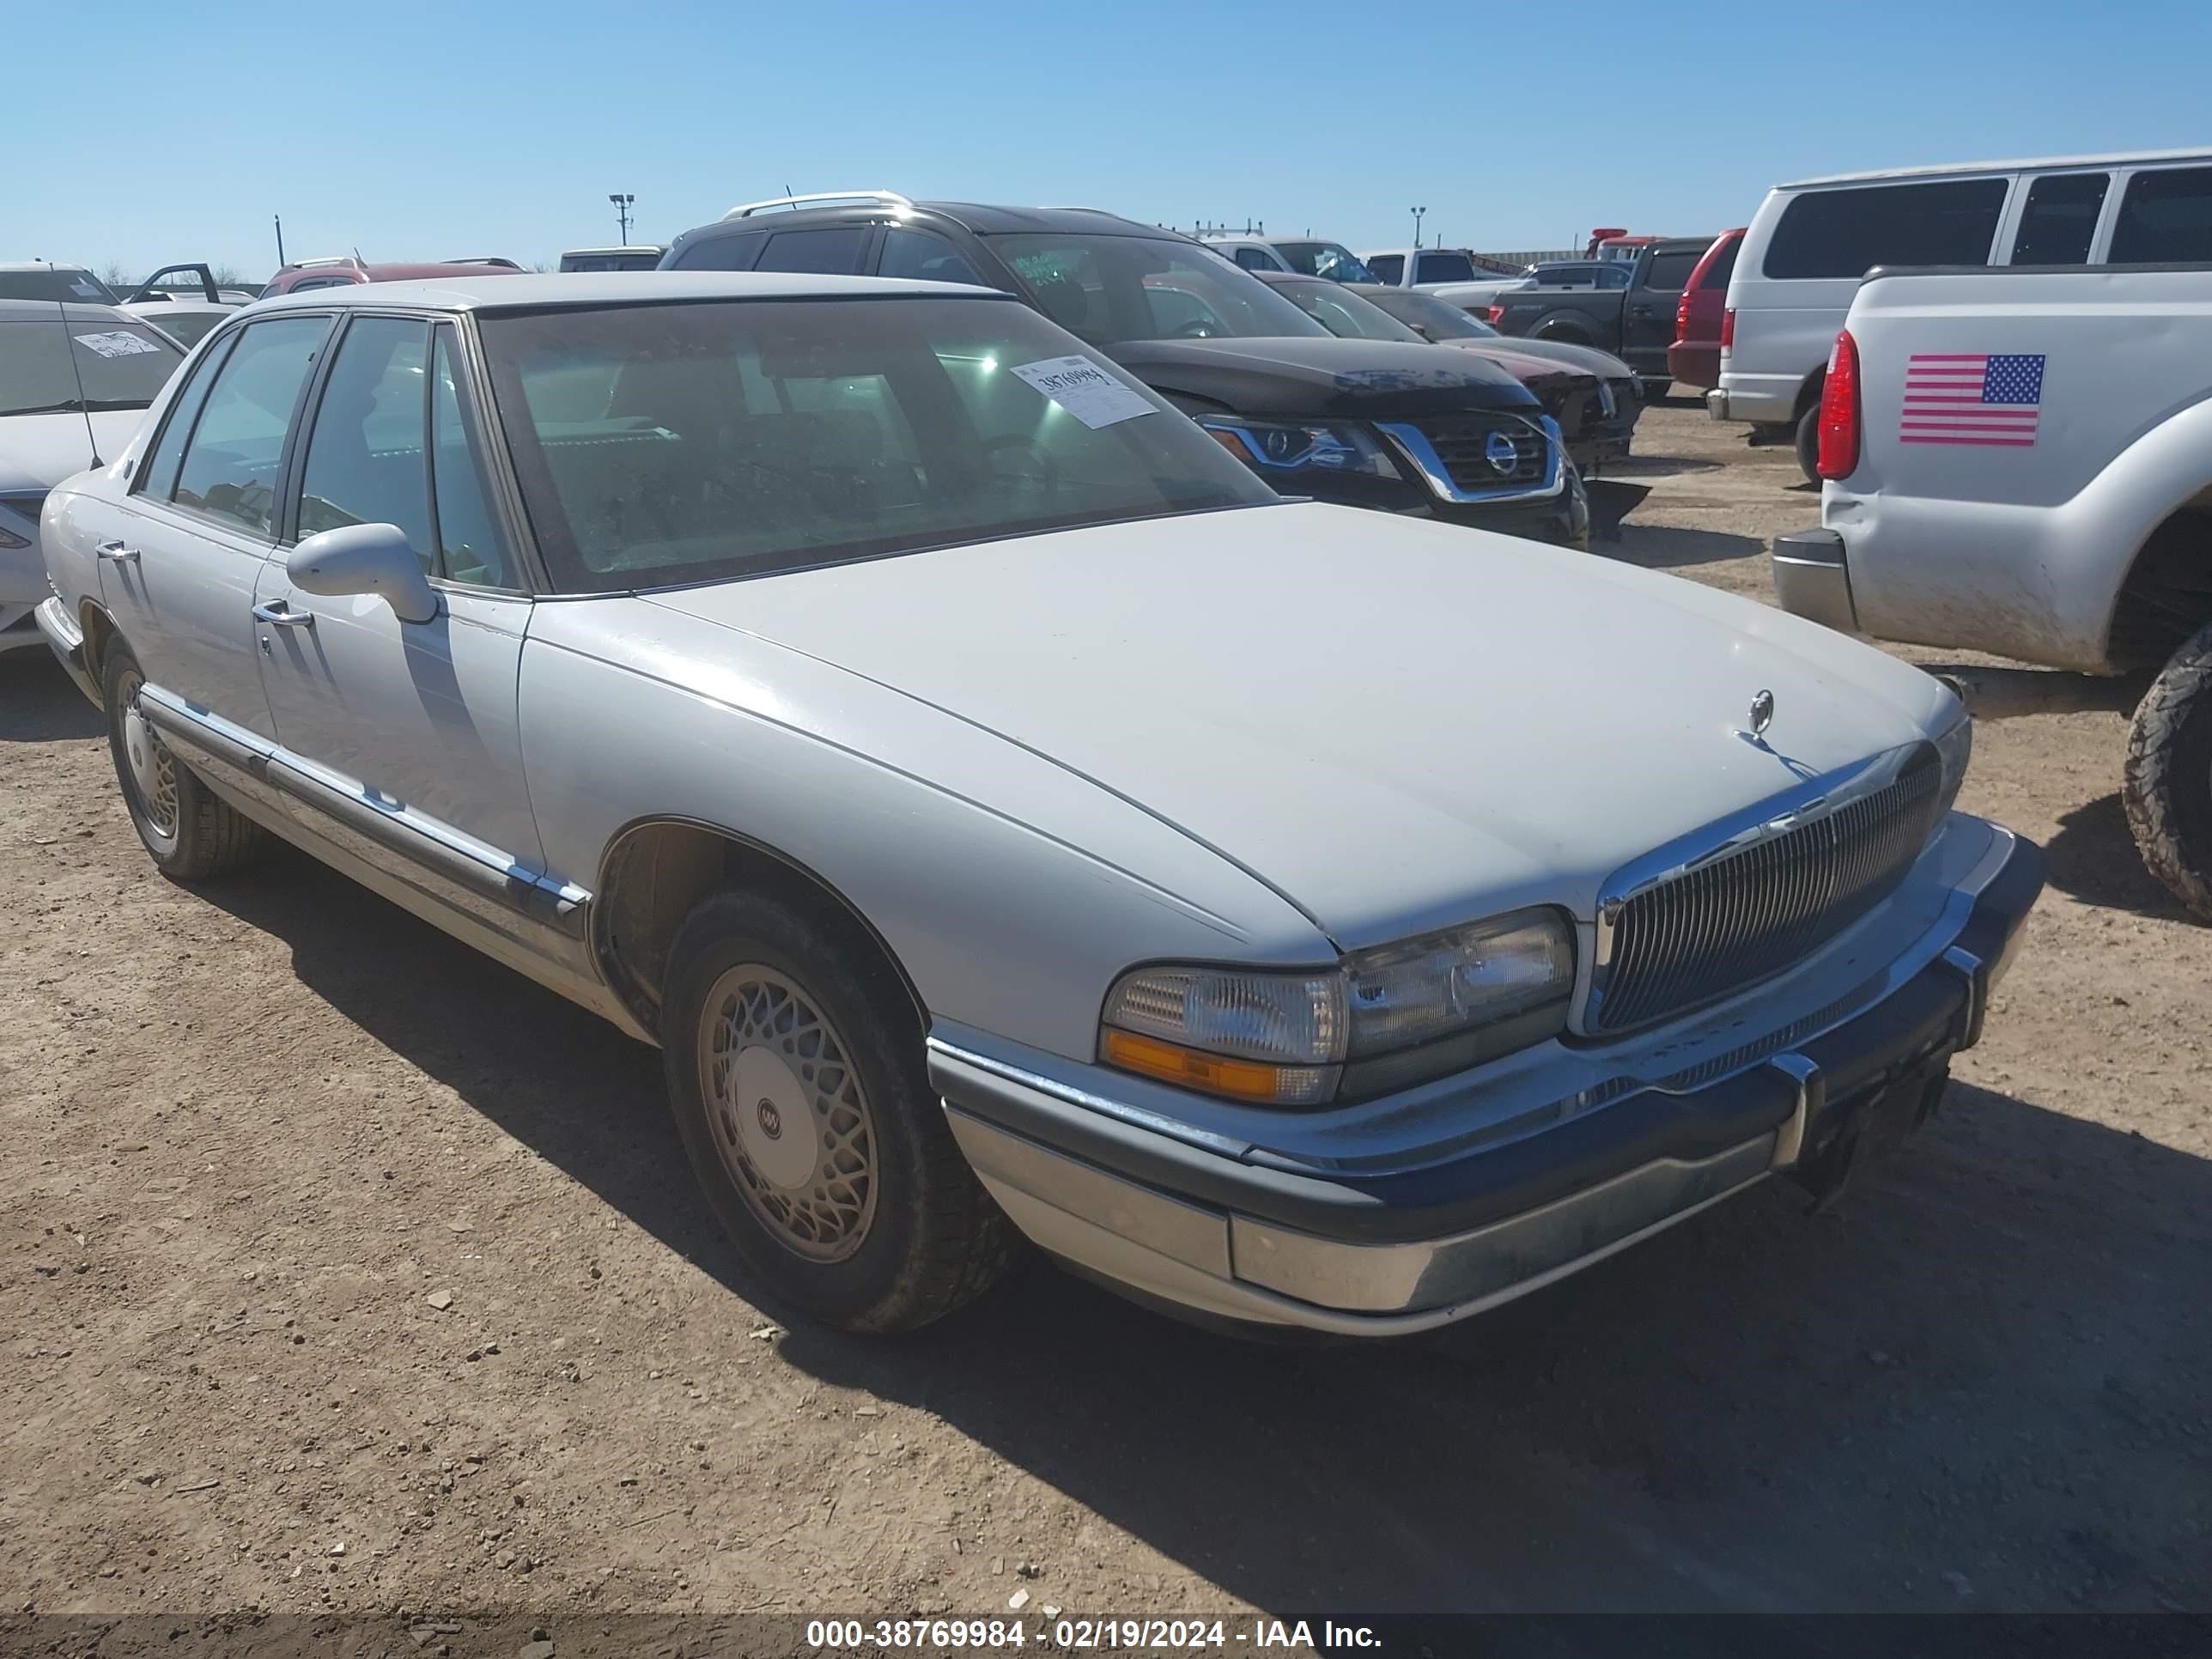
(2093, 857)
(1915, 1402)
(37, 703)
(1664, 547)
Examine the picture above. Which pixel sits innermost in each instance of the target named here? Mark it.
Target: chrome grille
(1462, 443)
(1727, 922)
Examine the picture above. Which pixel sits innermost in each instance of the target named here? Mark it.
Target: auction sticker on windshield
(1084, 390)
(116, 344)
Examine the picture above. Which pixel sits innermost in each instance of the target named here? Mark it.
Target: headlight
(1956, 748)
(1341, 446)
(10, 540)
(1382, 1019)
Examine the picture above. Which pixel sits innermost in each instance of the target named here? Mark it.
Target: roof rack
(888, 198)
(483, 259)
(334, 260)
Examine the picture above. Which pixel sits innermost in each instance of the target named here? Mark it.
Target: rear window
(1723, 265)
(1670, 272)
(1443, 268)
(1846, 233)
(2165, 217)
(55, 283)
(706, 441)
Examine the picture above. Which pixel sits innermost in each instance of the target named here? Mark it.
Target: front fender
(1010, 890)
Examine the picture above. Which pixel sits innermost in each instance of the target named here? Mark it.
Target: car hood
(37, 452)
(1395, 724)
(1603, 364)
(1541, 376)
(1364, 380)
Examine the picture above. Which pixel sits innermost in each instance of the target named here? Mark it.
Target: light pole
(622, 213)
(1418, 212)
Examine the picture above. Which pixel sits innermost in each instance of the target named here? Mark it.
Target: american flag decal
(1992, 400)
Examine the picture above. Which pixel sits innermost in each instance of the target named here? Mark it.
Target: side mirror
(365, 558)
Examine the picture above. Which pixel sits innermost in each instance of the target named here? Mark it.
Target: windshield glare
(1344, 313)
(1109, 289)
(696, 441)
(44, 362)
(1331, 260)
(1437, 320)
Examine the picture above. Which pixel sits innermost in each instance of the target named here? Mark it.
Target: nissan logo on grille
(1502, 452)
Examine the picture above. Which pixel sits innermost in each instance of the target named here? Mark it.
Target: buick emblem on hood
(1501, 451)
(1762, 713)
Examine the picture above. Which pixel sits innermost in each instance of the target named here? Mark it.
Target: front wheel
(188, 830)
(2167, 785)
(796, 1070)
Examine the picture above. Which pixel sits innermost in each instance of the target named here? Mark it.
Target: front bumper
(1258, 1240)
(1813, 579)
(67, 642)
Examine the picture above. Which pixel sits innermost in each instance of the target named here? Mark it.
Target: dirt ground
(341, 1270)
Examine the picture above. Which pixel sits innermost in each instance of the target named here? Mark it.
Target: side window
(721, 253)
(1670, 272)
(229, 466)
(2059, 219)
(366, 463)
(1846, 233)
(1389, 268)
(1254, 258)
(468, 538)
(1443, 268)
(157, 473)
(833, 251)
(926, 255)
(2164, 217)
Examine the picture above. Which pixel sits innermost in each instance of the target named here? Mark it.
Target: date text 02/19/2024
(1079, 1635)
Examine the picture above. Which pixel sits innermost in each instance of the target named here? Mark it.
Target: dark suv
(1404, 427)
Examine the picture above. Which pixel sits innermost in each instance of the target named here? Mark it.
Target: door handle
(117, 552)
(280, 612)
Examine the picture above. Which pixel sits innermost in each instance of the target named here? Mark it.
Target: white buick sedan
(1008, 817)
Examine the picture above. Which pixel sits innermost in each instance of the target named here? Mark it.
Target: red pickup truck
(1694, 359)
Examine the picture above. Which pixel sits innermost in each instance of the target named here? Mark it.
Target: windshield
(45, 360)
(702, 441)
(1434, 319)
(1106, 288)
(1332, 260)
(1341, 312)
(57, 282)
(188, 328)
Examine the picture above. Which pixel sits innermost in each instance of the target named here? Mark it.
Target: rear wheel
(187, 829)
(1808, 443)
(795, 1067)
(2167, 785)
(1655, 389)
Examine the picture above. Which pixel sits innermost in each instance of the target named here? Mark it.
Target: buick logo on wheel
(1501, 451)
(771, 1120)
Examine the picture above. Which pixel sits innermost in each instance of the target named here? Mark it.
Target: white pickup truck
(2019, 461)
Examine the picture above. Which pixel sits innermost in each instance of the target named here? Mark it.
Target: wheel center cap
(773, 1118)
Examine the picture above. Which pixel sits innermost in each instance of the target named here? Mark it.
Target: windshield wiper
(93, 405)
(68, 407)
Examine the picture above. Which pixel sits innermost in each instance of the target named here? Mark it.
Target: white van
(1811, 242)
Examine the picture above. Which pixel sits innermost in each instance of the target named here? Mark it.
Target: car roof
(2037, 164)
(530, 290)
(22, 310)
(625, 247)
(979, 218)
(42, 264)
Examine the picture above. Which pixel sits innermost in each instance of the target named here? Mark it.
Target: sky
(158, 132)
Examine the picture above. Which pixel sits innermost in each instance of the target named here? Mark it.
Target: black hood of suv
(1362, 379)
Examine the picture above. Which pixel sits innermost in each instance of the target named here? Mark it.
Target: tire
(1808, 443)
(771, 1013)
(1655, 389)
(2167, 787)
(189, 831)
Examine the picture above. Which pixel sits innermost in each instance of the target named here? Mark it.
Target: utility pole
(622, 214)
(279, 218)
(1418, 212)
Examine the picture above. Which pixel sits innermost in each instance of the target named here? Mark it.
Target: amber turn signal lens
(1238, 1079)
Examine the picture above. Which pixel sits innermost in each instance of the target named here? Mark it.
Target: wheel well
(98, 630)
(2168, 594)
(1559, 328)
(655, 873)
(1808, 395)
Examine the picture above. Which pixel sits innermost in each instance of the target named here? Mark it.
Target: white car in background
(74, 382)
(1448, 273)
(186, 313)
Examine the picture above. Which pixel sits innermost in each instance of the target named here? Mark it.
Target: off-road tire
(2167, 785)
(209, 836)
(932, 1239)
